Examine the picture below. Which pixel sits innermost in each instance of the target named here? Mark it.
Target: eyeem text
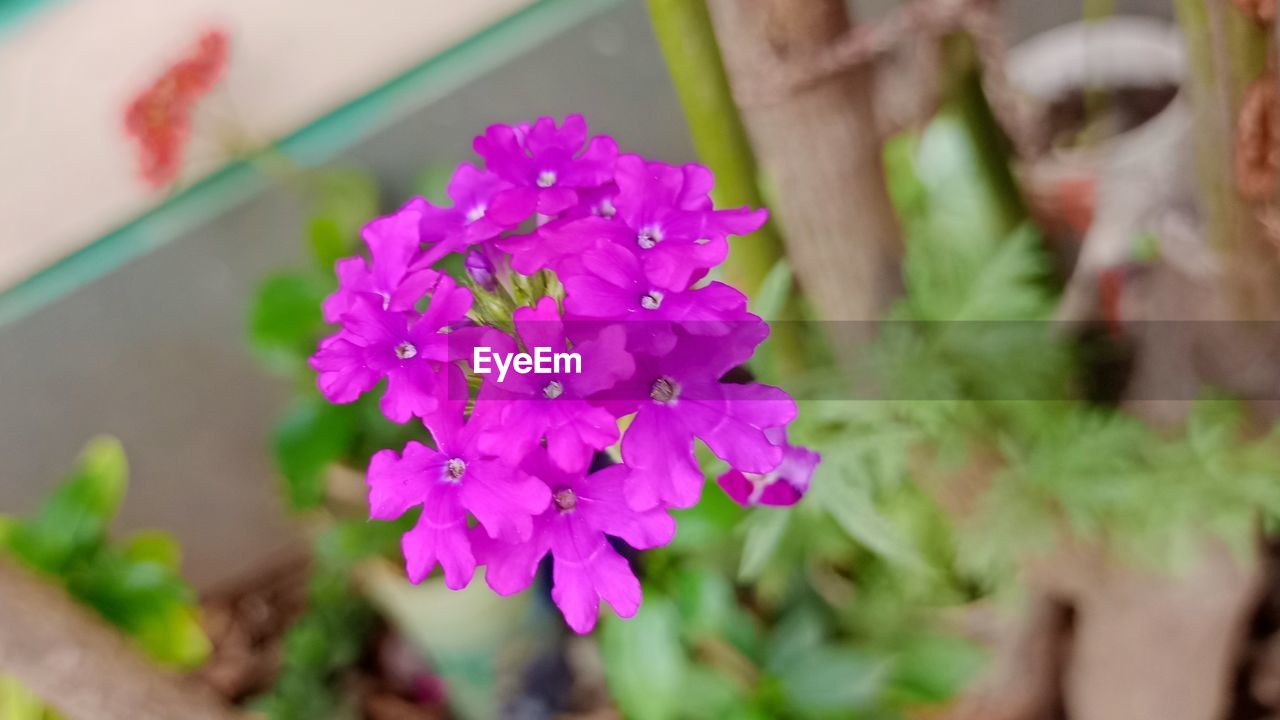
(543, 361)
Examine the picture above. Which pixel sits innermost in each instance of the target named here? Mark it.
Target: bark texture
(820, 152)
(83, 667)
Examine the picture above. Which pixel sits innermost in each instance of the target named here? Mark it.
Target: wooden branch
(1150, 645)
(685, 34)
(688, 43)
(820, 151)
(83, 667)
(1226, 54)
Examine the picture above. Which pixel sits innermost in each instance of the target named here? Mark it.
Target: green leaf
(19, 703)
(174, 637)
(7, 527)
(933, 668)
(327, 241)
(710, 695)
(285, 319)
(831, 679)
(154, 546)
(73, 521)
(310, 436)
(765, 528)
(852, 506)
(344, 198)
(645, 665)
(771, 298)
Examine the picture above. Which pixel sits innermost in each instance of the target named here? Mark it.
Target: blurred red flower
(160, 117)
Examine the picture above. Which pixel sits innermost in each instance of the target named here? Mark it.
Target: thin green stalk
(965, 96)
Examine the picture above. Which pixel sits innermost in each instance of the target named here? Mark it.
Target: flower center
(406, 350)
(565, 499)
(546, 178)
(648, 237)
(664, 390)
(454, 469)
(476, 212)
(652, 301)
(553, 390)
(606, 209)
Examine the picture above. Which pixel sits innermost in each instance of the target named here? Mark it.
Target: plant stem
(1226, 53)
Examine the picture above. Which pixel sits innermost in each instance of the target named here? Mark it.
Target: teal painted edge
(13, 13)
(315, 143)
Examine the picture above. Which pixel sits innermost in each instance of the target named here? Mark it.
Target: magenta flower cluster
(568, 246)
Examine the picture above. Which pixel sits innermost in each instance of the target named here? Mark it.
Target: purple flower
(450, 481)
(683, 400)
(661, 212)
(665, 212)
(546, 164)
(608, 283)
(560, 238)
(614, 252)
(481, 271)
(395, 274)
(583, 511)
(483, 208)
(555, 406)
(404, 347)
(781, 486)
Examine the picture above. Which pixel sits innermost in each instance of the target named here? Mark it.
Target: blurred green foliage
(332, 633)
(284, 327)
(845, 605)
(840, 606)
(134, 583)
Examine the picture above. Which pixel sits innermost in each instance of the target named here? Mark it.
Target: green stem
(965, 96)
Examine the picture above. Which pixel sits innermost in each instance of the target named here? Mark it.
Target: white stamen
(565, 500)
(476, 213)
(606, 209)
(553, 390)
(652, 301)
(454, 469)
(546, 178)
(648, 237)
(664, 390)
(406, 350)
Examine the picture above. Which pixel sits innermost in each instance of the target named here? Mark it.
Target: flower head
(573, 255)
(395, 273)
(781, 486)
(679, 397)
(159, 118)
(406, 348)
(449, 481)
(548, 164)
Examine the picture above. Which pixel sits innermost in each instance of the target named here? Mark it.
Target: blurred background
(134, 308)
